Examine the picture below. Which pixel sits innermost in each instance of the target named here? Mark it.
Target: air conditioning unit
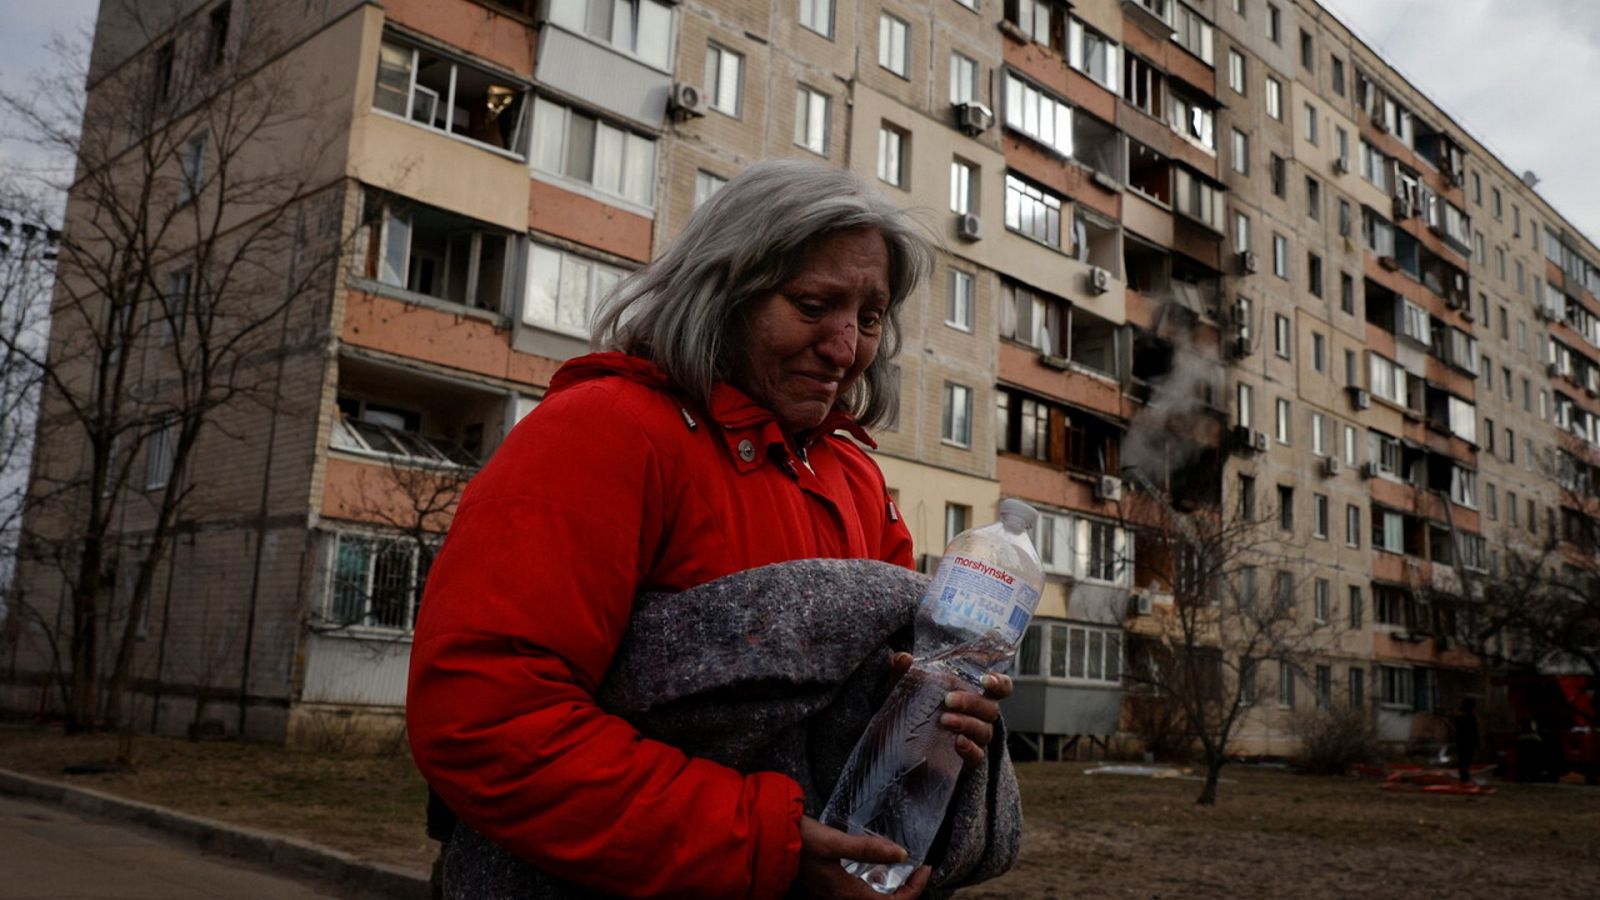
(1109, 487)
(1142, 604)
(1261, 441)
(1402, 208)
(1369, 470)
(1341, 166)
(1242, 437)
(1553, 370)
(1330, 466)
(1249, 263)
(1390, 263)
(1360, 398)
(1099, 280)
(969, 227)
(973, 118)
(687, 100)
(1541, 312)
(1240, 347)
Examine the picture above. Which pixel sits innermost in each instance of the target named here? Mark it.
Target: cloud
(1514, 73)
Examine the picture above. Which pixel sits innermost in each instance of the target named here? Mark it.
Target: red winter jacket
(610, 488)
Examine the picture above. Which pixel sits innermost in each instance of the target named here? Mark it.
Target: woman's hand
(969, 714)
(821, 876)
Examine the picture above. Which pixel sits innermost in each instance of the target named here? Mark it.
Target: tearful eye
(871, 321)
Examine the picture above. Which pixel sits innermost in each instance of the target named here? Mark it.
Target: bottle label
(974, 596)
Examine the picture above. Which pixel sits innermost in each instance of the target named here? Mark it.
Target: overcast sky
(1520, 75)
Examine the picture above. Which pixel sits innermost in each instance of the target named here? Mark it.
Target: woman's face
(809, 340)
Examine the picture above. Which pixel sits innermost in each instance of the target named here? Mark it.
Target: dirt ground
(1272, 833)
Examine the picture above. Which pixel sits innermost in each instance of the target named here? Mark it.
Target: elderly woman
(703, 443)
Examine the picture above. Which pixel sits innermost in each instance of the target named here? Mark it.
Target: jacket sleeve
(524, 608)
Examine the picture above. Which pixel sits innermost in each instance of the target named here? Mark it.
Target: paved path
(52, 854)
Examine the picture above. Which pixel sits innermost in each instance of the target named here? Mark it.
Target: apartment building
(1215, 249)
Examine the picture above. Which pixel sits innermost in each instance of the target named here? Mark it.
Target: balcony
(404, 416)
(419, 252)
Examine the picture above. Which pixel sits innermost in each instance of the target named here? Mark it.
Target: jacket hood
(729, 406)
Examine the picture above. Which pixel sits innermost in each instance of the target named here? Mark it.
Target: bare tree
(28, 252)
(1200, 654)
(201, 224)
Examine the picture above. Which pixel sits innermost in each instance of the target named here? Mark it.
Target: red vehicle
(1557, 729)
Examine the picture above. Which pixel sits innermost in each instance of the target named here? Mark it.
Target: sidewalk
(334, 871)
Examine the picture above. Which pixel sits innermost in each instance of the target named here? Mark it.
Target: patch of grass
(368, 805)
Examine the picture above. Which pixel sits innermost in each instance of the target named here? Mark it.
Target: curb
(285, 856)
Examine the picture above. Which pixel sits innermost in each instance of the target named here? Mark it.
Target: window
(963, 187)
(1347, 294)
(1324, 683)
(1388, 531)
(1072, 652)
(1495, 208)
(1142, 86)
(1274, 24)
(892, 147)
(1397, 687)
(1358, 687)
(1356, 603)
(192, 168)
(1236, 71)
(641, 28)
(957, 419)
(1193, 33)
(1477, 189)
(564, 289)
(1319, 443)
(1241, 152)
(811, 120)
(1280, 177)
(217, 22)
(1341, 144)
(1274, 98)
(1241, 232)
(158, 456)
(1308, 53)
(1352, 525)
(1038, 114)
(894, 50)
(376, 582)
(165, 56)
(1314, 280)
(1285, 507)
(1491, 499)
(1338, 74)
(1388, 380)
(1037, 19)
(1280, 256)
(1311, 125)
(1104, 542)
(1282, 335)
(1319, 525)
(957, 518)
(1190, 116)
(579, 147)
(723, 83)
(1093, 54)
(706, 184)
(438, 254)
(963, 79)
(1196, 198)
(1314, 202)
(1321, 601)
(1285, 683)
(1033, 212)
(1319, 351)
(1247, 498)
(437, 92)
(958, 311)
(817, 15)
(1350, 444)
(175, 305)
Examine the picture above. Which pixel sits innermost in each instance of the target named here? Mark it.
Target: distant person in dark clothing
(1465, 725)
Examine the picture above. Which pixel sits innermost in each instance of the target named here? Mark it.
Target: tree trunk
(85, 642)
(1208, 794)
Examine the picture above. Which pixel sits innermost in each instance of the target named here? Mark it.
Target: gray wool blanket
(774, 669)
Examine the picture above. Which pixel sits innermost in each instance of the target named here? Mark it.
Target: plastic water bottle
(901, 775)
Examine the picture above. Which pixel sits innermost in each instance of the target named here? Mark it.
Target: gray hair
(682, 311)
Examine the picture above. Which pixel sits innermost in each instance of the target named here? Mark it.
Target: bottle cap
(1018, 516)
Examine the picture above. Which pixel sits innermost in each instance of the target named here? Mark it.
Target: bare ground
(1272, 834)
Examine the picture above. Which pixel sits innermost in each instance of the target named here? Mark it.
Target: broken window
(435, 253)
(1193, 116)
(1149, 173)
(455, 98)
(1098, 146)
(1143, 85)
